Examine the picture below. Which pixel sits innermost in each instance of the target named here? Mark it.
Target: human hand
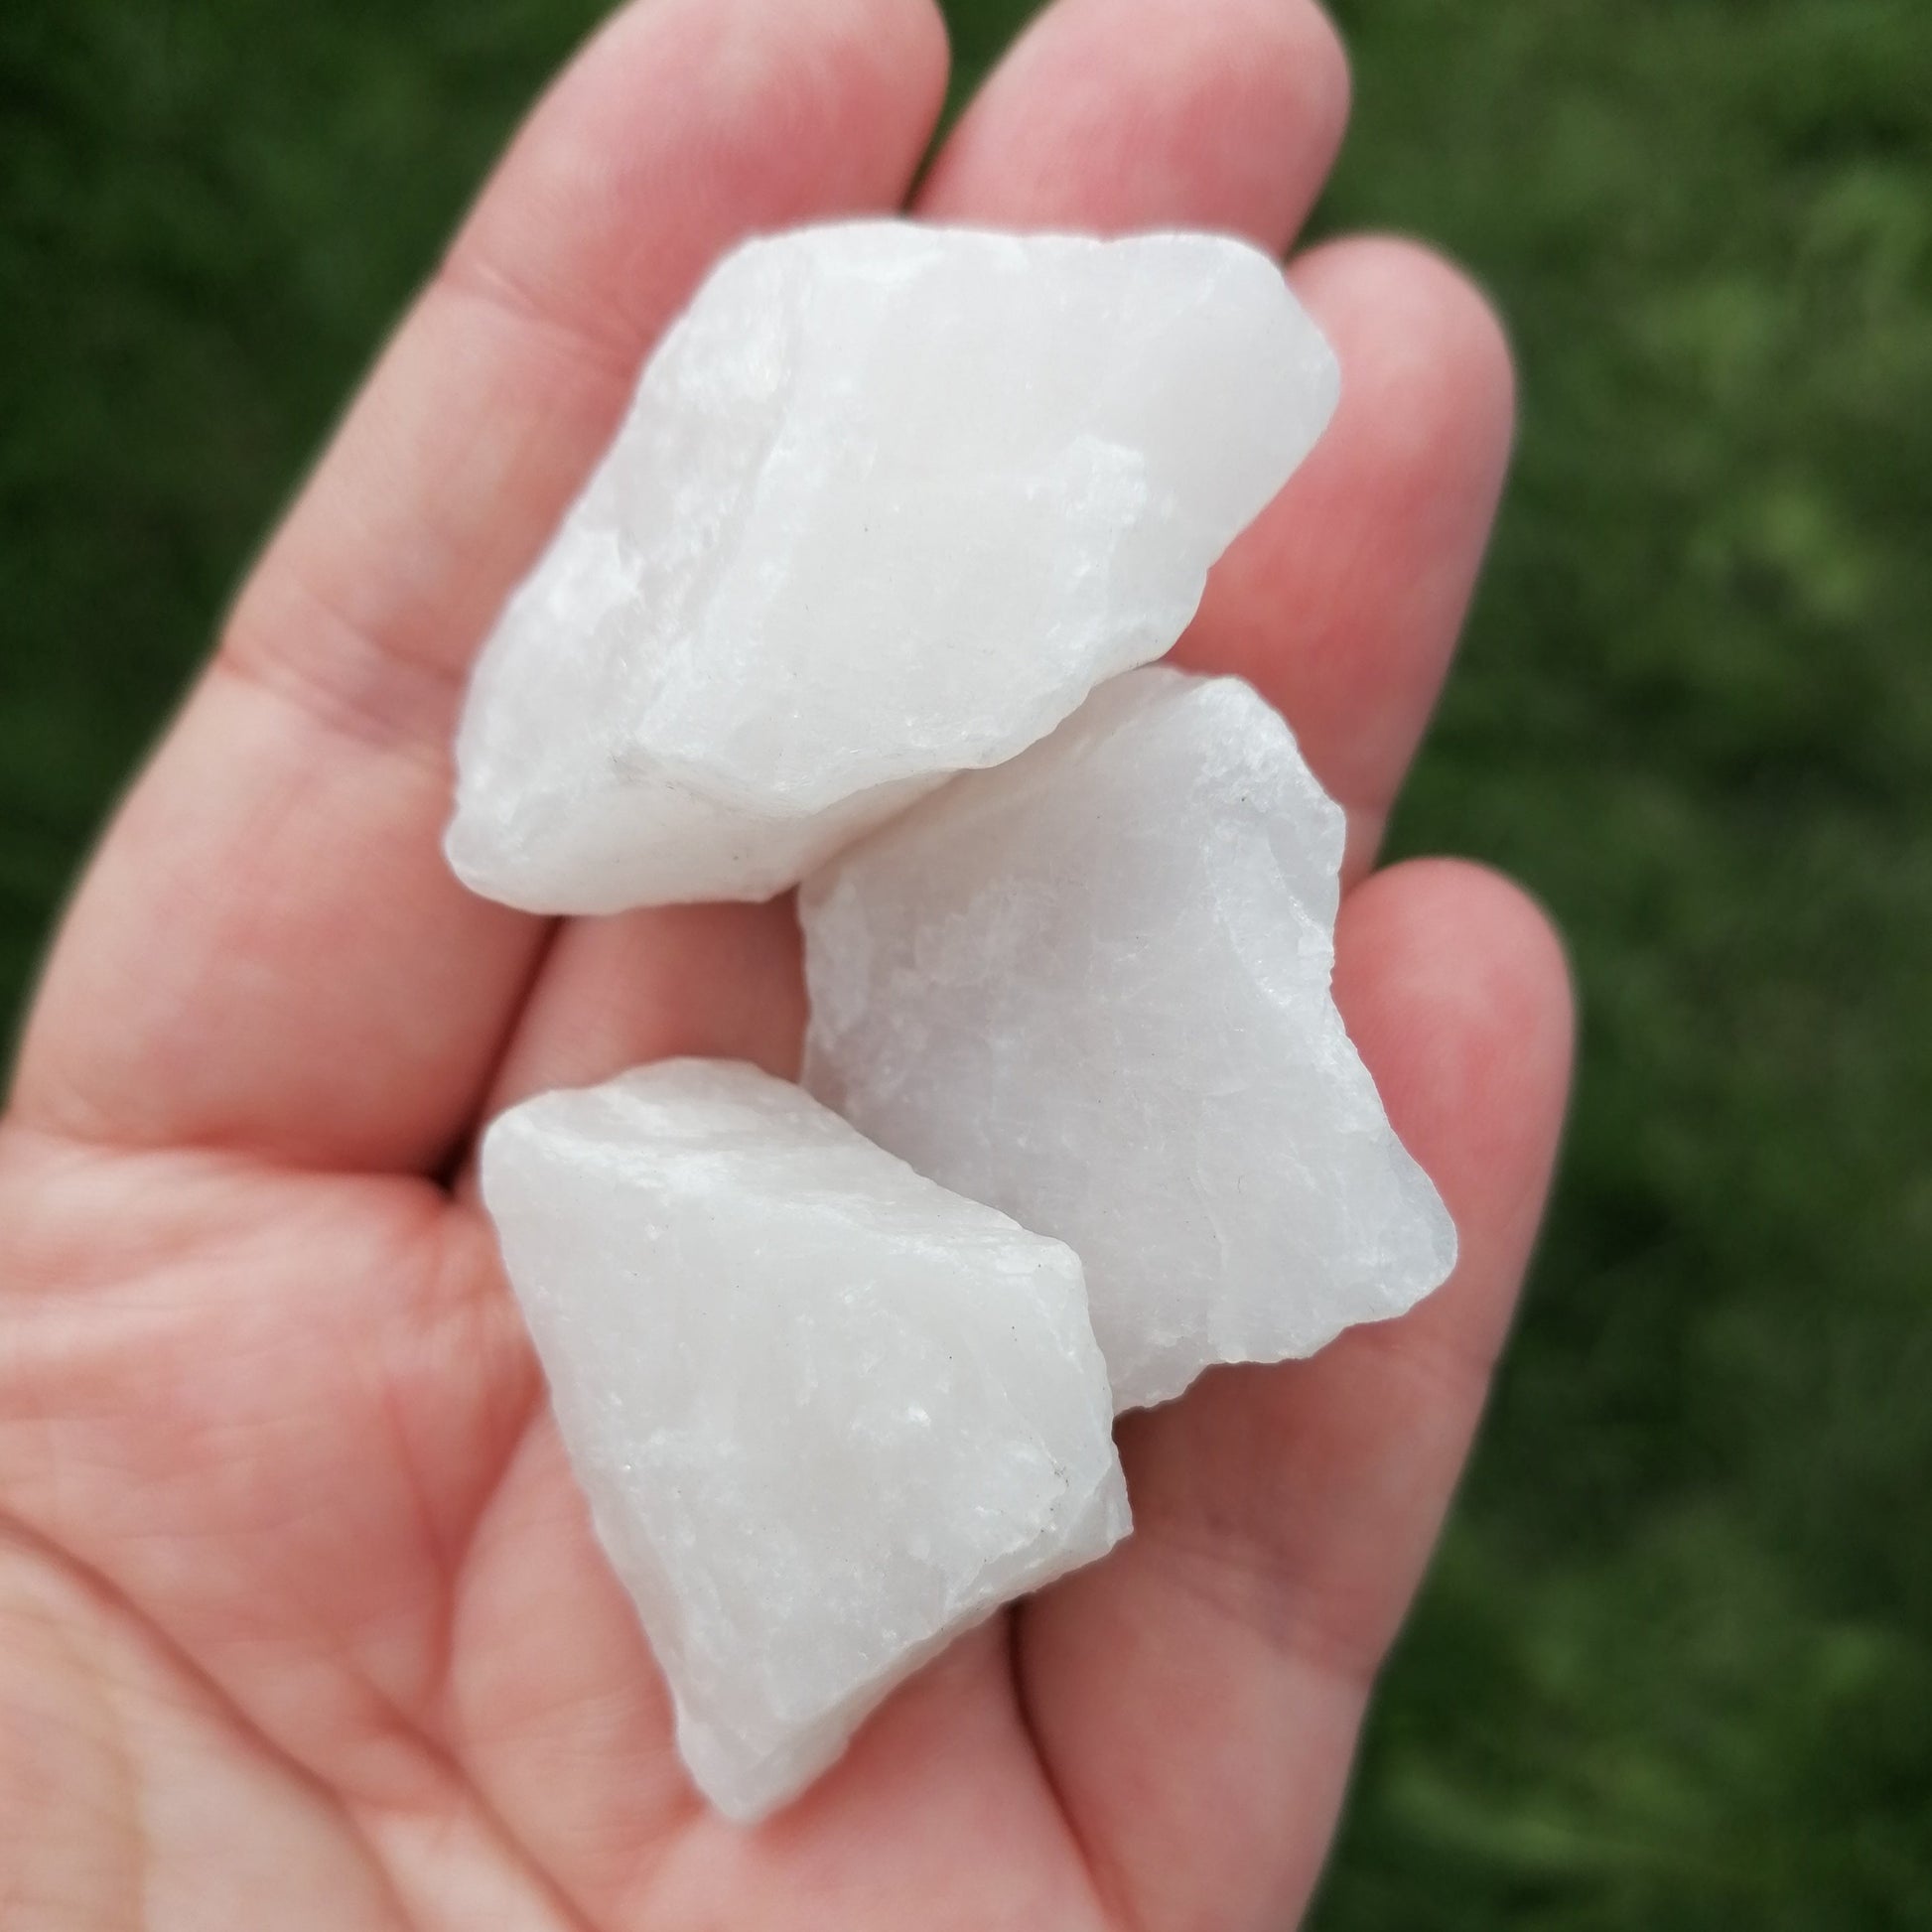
(301, 1619)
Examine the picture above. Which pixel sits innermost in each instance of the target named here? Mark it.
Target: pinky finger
(1196, 1696)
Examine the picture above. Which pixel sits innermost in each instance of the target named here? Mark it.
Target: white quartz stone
(1092, 988)
(826, 1413)
(888, 501)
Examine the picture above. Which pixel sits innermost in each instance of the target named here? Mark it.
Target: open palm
(300, 1620)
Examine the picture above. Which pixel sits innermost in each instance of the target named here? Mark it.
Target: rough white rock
(1092, 988)
(889, 500)
(826, 1413)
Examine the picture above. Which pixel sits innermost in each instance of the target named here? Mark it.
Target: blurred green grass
(1675, 1667)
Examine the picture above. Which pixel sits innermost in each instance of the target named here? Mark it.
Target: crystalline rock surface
(826, 1413)
(889, 500)
(1091, 988)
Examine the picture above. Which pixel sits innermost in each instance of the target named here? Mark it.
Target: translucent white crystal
(826, 1413)
(1092, 988)
(889, 500)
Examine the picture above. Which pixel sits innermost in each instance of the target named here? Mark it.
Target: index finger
(268, 953)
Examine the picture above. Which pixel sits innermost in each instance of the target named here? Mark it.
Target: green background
(1675, 1666)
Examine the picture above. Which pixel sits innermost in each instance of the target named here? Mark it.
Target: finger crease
(613, 348)
(343, 679)
(1110, 1890)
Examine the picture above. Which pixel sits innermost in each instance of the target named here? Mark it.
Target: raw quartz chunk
(826, 1413)
(888, 501)
(1092, 988)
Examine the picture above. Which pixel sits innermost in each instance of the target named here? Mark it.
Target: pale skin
(300, 1620)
